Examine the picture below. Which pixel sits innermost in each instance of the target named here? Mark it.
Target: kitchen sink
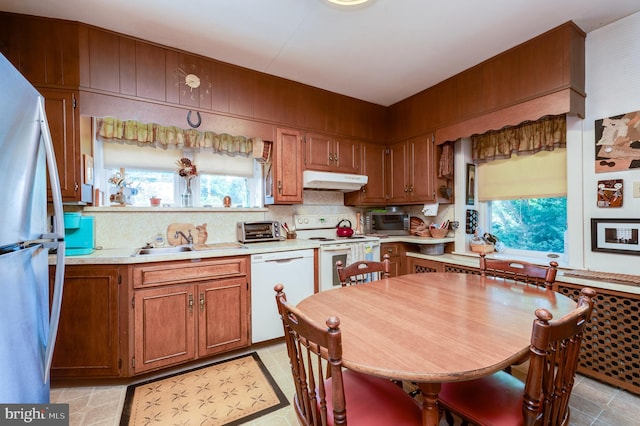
(161, 250)
(145, 251)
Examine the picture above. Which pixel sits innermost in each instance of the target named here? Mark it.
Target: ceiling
(381, 52)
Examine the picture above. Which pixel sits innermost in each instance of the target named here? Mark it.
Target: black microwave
(387, 222)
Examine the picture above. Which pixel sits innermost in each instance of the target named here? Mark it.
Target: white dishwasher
(294, 269)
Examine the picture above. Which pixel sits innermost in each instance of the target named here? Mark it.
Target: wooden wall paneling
(551, 70)
(45, 50)
(173, 79)
(265, 99)
(578, 61)
(446, 98)
(220, 87)
(104, 60)
(150, 71)
(9, 38)
(312, 105)
(69, 72)
(333, 119)
(83, 55)
(505, 79)
(33, 51)
(524, 78)
(206, 84)
(241, 89)
(127, 70)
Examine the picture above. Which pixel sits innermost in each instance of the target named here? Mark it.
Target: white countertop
(472, 261)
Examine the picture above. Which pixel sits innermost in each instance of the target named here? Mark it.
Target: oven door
(328, 256)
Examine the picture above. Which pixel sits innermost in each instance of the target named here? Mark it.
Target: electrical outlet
(636, 189)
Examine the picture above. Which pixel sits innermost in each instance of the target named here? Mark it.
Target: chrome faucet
(188, 238)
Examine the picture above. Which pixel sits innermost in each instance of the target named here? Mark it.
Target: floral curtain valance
(110, 129)
(545, 134)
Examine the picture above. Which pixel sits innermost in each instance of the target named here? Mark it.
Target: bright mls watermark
(34, 414)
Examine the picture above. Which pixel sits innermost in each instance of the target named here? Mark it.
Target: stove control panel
(318, 221)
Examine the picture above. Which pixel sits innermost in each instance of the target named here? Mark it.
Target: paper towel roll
(430, 209)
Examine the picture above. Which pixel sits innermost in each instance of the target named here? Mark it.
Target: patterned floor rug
(230, 392)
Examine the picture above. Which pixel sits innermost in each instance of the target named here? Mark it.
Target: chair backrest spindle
(363, 271)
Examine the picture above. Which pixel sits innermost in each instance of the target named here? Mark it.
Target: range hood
(337, 181)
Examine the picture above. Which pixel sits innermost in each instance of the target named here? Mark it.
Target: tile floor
(592, 403)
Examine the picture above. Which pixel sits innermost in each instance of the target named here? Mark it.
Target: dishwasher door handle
(288, 259)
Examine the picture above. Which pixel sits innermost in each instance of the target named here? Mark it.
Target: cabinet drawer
(163, 273)
(389, 248)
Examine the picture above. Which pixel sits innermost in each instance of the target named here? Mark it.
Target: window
(524, 202)
(533, 224)
(152, 172)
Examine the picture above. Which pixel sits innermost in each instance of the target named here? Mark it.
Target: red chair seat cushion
(373, 401)
(495, 400)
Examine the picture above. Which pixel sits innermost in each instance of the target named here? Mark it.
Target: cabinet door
(63, 119)
(346, 156)
(398, 173)
(87, 344)
(422, 174)
(223, 313)
(287, 170)
(374, 166)
(164, 327)
(318, 152)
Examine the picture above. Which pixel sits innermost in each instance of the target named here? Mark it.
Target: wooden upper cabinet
(411, 172)
(374, 166)
(44, 50)
(285, 173)
(326, 153)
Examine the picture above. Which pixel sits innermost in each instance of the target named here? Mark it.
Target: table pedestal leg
(430, 411)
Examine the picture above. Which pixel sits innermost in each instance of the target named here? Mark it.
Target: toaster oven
(249, 232)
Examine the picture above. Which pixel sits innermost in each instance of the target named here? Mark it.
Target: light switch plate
(636, 189)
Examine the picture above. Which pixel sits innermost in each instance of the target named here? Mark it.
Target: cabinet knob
(75, 187)
(202, 302)
(335, 158)
(330, 157)
(406, 189)
(279, 187)
(190, 303)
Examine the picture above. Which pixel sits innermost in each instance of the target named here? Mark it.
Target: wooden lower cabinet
(184, 310)
(88, 340)
(397, 256)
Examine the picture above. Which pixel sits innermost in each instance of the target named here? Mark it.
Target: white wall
(613, 87)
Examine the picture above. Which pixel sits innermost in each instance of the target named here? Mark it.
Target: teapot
(344, 230)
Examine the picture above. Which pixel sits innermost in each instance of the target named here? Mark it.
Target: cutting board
(185, 228)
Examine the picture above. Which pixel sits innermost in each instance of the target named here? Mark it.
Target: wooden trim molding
(566, 101)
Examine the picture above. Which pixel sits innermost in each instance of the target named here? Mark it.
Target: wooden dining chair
(363, 271)
(519, 271)
(327, 394)
(543, 399)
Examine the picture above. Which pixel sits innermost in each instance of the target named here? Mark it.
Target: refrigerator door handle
(57, 235)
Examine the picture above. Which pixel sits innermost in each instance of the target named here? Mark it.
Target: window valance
(545, 134)
(113, 130)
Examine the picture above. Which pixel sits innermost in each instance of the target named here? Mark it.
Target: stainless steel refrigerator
(27, 325)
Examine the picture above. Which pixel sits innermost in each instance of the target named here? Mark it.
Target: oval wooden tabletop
(434, 327)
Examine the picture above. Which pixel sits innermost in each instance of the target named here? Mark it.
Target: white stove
(322, 228)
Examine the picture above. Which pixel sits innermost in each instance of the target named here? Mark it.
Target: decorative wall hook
(197, 124)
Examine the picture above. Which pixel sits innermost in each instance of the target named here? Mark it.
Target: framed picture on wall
(471, 184)
(615, 235)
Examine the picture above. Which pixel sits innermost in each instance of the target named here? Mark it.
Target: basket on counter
(482, 248)
(438, 232)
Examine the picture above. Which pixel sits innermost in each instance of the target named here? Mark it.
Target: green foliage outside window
(536, 224)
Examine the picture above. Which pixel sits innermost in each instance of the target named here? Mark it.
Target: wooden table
(434, 327)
